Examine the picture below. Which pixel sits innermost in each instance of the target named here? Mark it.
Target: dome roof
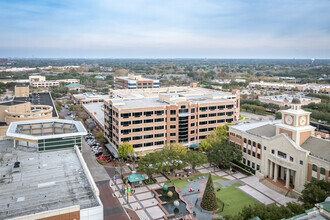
(296, 101)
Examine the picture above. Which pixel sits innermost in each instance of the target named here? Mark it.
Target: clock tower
(295, 123)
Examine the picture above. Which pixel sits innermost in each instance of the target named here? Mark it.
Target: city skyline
(169, 29)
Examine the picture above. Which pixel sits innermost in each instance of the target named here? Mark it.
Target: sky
(165, 29)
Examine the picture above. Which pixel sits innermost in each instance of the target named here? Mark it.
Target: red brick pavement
(111, 205)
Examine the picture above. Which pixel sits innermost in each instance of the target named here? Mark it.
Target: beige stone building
(284, 152)
(41, 82)
(26, 107)
(150, 118)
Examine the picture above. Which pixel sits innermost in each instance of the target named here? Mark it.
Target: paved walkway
(257, 188)
(112, 207)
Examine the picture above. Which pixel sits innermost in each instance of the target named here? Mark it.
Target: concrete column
(287, 181)
(271, 170)
(282, 173)
(275, 172)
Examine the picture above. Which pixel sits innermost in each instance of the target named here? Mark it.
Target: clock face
(288, 119)
(303, 120)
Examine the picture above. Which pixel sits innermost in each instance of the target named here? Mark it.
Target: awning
(112, 150)
(135, 178)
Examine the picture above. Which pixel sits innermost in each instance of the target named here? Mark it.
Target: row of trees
(255, 102)
(173, 156)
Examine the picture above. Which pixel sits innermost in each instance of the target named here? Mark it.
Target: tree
(173, 157)
(220, 134)
(100, 137)
(195, 158)
(125, 150)
(209, 200)
(224, 153)
(150, 164)
(315, 191)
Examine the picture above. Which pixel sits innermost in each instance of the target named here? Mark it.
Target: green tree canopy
(224, 153)
(125, 150)
(150, 164)
(173, 157)
(220, 134)
(315, 191)
(195, 158)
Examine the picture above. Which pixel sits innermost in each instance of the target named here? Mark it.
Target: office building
(152, 117)
(135, 82)
(284, 152)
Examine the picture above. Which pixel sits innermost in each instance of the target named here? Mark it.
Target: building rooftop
(158, 97)
(45, 181)
(318, 147)
(39, 98)
(97, 109)
(10, 103)
(50, 128)
(251, 126)
(90, 96)
(268, 130)
(74, 85)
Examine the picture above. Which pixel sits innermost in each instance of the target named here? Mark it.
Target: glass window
(192, 110)
(172, 134)
(173, 112)
(173, 119)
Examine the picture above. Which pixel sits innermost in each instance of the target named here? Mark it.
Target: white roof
(13, 129)
(248, 126)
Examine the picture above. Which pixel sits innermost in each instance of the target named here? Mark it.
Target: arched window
(314, 167)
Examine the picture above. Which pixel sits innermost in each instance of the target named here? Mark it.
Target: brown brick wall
(309, 172)
(67, 216)
(289, 133)
(304, 136)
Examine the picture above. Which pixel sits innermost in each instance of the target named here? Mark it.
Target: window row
(148, 144)
(213, 108)
(126, 139)
(136, 122)
(128, 131)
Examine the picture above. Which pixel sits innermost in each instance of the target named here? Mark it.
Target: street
(111, 205)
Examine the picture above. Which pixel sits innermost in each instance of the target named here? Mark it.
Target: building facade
(285, 100)
(284, 151)
(135, 82)
(186, 116)
(41, 82)
(274, 86)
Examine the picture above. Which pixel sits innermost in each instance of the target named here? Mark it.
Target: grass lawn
(242, 117)
(234, 199)
(181, 183)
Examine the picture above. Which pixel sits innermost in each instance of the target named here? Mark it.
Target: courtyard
(236, 191)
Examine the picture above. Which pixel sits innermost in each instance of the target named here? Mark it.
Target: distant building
(26, 107)
(149, 118)
(88, 97)
(311, 87)
(284, 153)
(100, 77)
(135, 82)
(285, 100)
(44, 175)
(41, 82)
(75, 87)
